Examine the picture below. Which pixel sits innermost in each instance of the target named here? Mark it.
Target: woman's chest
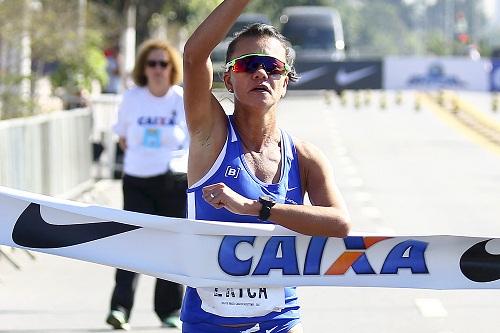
(265, 167)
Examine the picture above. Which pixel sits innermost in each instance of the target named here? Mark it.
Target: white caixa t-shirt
(155, 130)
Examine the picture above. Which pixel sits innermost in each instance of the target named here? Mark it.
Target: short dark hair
(265, 30)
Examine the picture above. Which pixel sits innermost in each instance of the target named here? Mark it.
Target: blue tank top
(230, 168)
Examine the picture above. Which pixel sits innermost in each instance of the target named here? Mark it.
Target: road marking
(363, 197)
(371, 212)
(355, 182)
(431, 307)
(345, 161)
(384, 230)
(350, 171)
(337, 141)
(453, 122)
(341, 151)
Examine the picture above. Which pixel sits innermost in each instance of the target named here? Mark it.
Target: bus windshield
(310, 37)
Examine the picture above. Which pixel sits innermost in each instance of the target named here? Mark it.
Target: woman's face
(258, 89)
(158, 67)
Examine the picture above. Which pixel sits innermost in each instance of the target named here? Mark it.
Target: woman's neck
(257, 131)
(158, 90)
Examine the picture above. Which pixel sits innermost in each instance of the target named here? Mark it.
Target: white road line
(355, 182)
(350, 171)
(431, 307)
(341, 151)
(371, 212)
(345, 161)
(337, 141)
(334, 132)
(363, 197)
(386, 231)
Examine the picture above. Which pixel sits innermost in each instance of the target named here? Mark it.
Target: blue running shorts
(272, 326)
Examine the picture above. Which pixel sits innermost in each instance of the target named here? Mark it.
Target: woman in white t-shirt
(153, 134)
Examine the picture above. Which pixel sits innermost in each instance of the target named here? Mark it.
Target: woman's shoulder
(133, 92)
(306, 150)
(177, 90)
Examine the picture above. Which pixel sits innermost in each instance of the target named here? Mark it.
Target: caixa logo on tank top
(239, 256)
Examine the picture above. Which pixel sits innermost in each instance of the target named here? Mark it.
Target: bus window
(314, 29)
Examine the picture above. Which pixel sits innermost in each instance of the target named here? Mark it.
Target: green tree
(56, 39)
(371, 28)
(273, 9)
(384, 32)
(188, 13)
(76, 51)
(436, 43)
(13, 100)
(77, 72)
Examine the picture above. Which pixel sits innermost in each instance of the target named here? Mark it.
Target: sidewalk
(55, 294)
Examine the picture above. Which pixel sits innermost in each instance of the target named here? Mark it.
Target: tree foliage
(372, 28)
(61, 44)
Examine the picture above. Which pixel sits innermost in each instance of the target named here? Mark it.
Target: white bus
(315, 32)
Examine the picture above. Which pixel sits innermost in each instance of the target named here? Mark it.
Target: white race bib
(241, 302)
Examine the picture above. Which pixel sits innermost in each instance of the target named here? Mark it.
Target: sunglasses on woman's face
(250, 63)
(153, 63)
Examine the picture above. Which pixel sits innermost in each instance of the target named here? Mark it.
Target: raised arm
(204, 115)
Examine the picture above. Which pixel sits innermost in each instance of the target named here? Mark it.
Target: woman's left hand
(220, 195)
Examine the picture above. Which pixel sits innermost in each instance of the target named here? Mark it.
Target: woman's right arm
(205, 117)
(120, 127)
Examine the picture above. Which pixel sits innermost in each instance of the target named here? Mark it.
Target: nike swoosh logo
(292, 188)
(479, 265)
(344, 78)
(31, 230)
(311, 75)
(272, 329)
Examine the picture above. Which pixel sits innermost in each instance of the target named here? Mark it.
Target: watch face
(267, 198)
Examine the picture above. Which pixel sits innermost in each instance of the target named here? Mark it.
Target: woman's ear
(285, 86)
(227, 82)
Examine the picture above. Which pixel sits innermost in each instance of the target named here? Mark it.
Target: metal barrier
(48, 154)
(104, 114)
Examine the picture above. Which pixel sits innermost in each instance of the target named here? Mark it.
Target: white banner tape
(210, 254)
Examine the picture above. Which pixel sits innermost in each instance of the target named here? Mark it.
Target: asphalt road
(401, 172)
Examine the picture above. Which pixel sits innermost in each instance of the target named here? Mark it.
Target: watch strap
(265, 210)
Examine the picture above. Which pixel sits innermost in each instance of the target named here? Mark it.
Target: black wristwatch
(267, 203)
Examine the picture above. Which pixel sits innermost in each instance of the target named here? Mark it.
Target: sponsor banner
(233, 255)
(338, 76)
(495, 75)
(431, 73)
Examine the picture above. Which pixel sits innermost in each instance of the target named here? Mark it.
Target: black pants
(163, 195)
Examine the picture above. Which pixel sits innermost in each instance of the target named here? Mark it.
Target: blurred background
(54, 54)
(67, 55)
